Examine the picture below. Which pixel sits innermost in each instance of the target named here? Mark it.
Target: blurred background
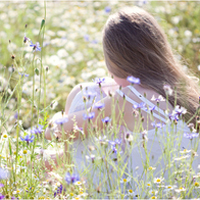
(72, 46)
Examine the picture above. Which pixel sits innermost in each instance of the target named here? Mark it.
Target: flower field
(48, 47)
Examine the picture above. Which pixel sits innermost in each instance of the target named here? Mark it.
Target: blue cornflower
(28, 138)
(71, 178)
(61, 121)
(191, 135)
(107, 9)
(89, 116)
(37, 130)
(133, 80)
(179, 110)
(99, 105)
(139, 105)
(4, 174)
(59, 190)
(99, 80)
(113, 145)
(36, 47)
(157, 125)
(23, 74)
(173, 117)
(106, 120)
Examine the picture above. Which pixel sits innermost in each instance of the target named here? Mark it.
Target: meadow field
(48, 47)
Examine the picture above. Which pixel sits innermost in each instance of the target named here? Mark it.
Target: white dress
(104, 171)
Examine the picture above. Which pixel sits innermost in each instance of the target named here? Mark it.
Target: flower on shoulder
(133, 80)
(99, 80)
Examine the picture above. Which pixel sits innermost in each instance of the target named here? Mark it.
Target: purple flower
(139, 105)
(59, 190)
(36, 47)
(1, 185)
(107, 9)
(99, 80)
(71, 178)
(61, 121)
(106, 120)
(157, 125)
(37, 130)
(23, 74)
(179, 110)
(1, 196)
(4, 174)
(191, 135)
(99, 105)
(113, 145)
(89, 116)
(133, 80)
(28, 138)
(16, 115)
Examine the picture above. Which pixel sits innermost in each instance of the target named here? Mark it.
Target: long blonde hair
(134, 44)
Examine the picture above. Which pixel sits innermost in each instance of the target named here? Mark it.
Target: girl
(137, 112)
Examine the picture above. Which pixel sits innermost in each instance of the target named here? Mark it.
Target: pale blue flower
(133, 80)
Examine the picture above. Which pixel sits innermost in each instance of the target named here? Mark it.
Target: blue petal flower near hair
(133, 80)
(71, 179)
